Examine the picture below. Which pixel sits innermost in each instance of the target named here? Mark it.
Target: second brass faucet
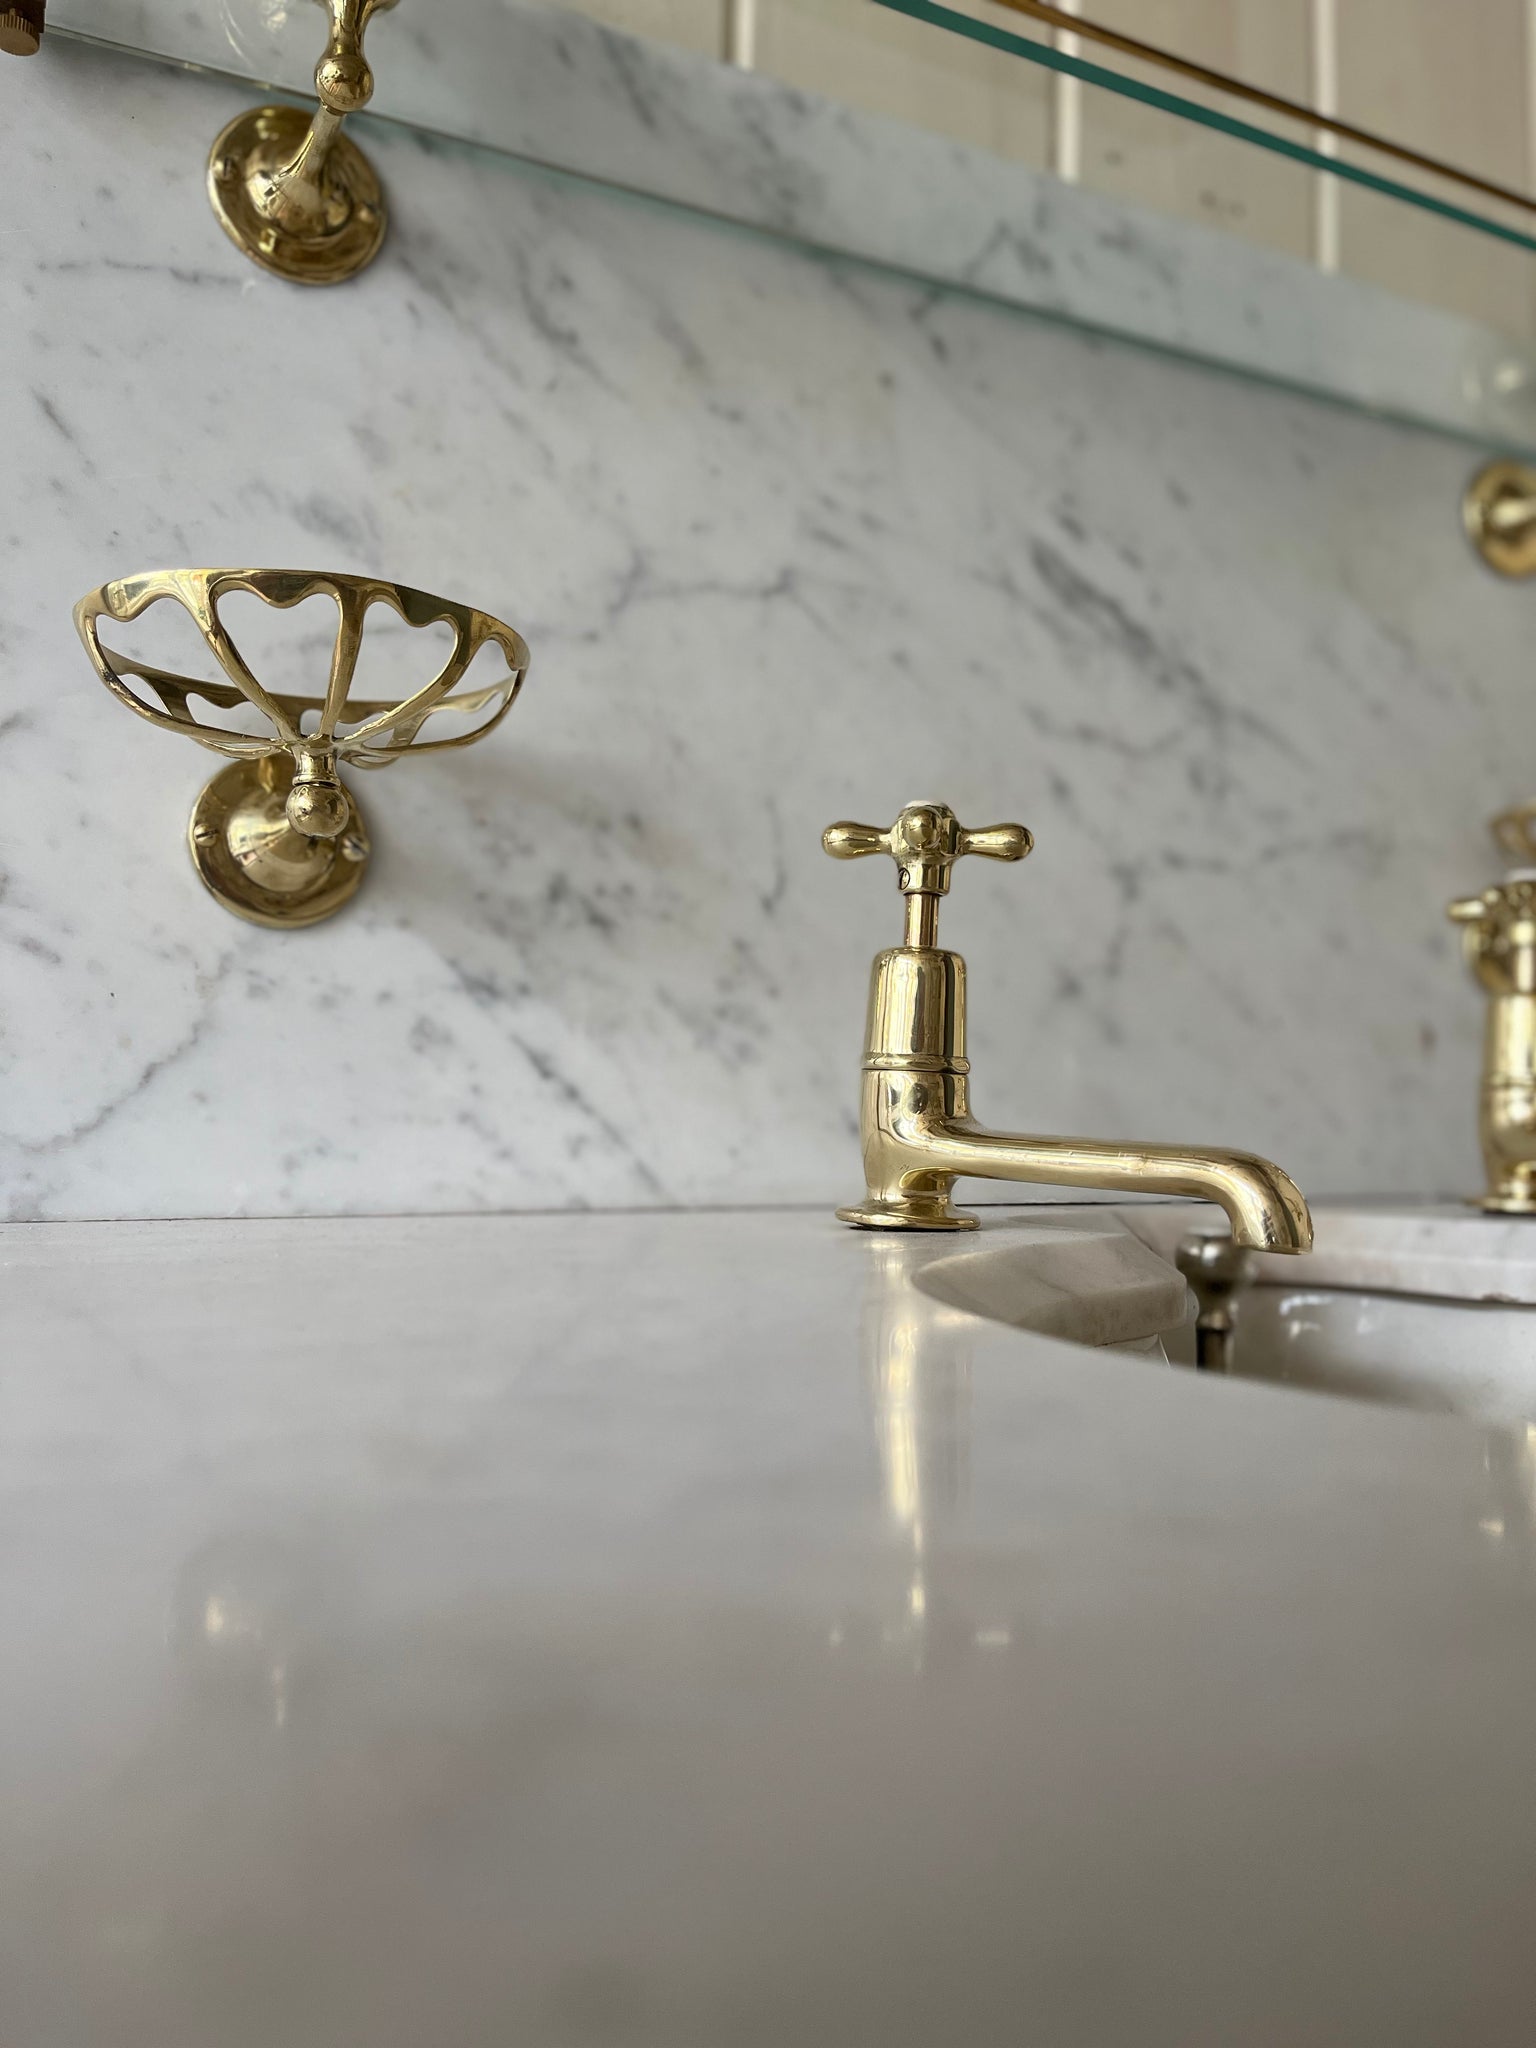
(914, 1116)
(1499, 934)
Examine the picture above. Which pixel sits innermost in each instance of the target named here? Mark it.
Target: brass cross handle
(277, 836)
(925, 842)
(1499, 926)
(292, 191)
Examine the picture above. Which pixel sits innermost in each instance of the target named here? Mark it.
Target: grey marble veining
(558, 89)
(790, 541)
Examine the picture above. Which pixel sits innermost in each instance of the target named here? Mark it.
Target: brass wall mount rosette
(1498, 510)
(276, 836)
(289, 188)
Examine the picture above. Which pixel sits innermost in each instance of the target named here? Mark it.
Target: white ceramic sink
(1455, 1358)
(1426, 1306)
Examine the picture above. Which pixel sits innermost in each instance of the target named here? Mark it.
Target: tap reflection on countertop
(917, 1375)
(463, 1669)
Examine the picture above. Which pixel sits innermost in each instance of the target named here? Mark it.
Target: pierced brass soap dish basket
(276, 836)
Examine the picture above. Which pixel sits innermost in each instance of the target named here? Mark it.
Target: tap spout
(919, 1139)
(1267, 1211)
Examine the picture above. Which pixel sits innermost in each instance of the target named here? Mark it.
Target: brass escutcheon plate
(252, 149)
(249, 856)
(929, 1212)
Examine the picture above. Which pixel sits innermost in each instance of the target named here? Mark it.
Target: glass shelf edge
(1451, 375)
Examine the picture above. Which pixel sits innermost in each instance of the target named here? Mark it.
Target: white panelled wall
(1458, 81)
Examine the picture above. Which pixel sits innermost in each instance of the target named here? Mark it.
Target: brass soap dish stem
(298, 196)
(276, 836)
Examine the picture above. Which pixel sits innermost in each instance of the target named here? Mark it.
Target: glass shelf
(1344, 154)
(553, 92)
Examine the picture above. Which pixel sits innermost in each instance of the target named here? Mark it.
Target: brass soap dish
(276, 836)
(1499, 513)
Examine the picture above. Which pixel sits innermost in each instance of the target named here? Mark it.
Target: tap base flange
(242, 167)
(1504, 1205)
(909, 1212)
(250, 858)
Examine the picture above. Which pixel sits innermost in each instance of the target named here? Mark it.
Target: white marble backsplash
(790, 540)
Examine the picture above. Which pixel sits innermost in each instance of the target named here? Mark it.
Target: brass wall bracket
(290, 189)
(277, 837)
(1499, 513)
(21, 27)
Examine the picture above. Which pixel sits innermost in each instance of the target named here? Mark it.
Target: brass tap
(914, 1112)
(1499, 939)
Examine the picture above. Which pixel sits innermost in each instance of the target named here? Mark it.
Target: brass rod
(922, 919)
(1275, 103)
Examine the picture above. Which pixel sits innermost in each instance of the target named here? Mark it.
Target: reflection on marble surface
(551, 1521)
(917, 1370)
(1080, 1276)
(1223, 651)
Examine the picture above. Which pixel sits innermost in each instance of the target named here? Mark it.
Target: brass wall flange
(248, 855)
(290, 189)
(1499, 513)
(277, 837)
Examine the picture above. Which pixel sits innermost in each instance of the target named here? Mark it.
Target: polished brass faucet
(1499, 937)
(914, 1111)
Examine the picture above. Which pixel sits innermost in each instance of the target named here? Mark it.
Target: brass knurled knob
(21, 27)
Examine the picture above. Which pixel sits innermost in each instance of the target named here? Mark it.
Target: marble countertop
(705, 1629)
